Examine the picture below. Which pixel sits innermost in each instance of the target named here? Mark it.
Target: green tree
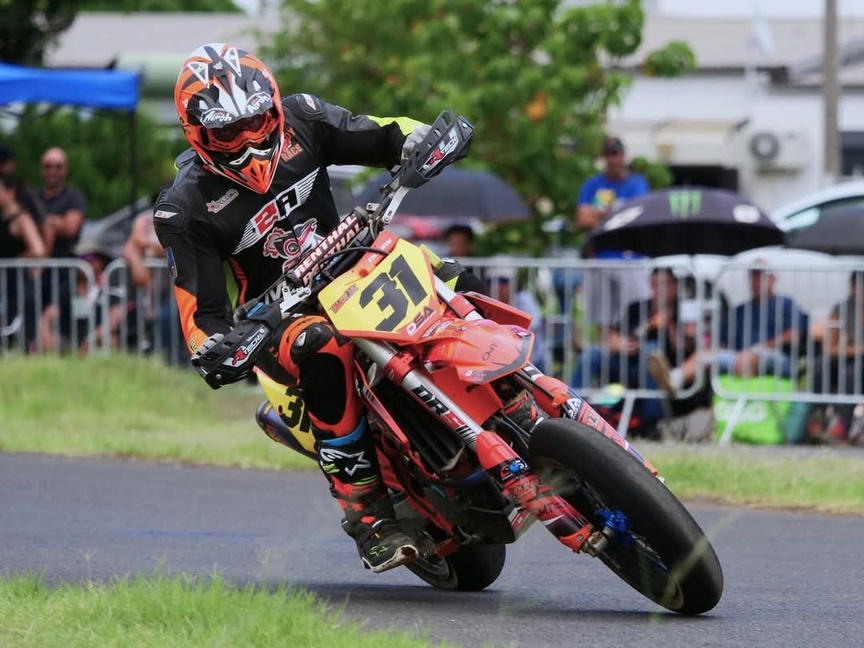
(159, 6)
(28, 27)
(99, 145)
(534, 78)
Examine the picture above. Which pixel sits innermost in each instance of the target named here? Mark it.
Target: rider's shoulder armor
(305, 106)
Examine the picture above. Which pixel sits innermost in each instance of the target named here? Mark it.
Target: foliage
(534, 78)
(99, 146)
(29, 27)
(160, 6)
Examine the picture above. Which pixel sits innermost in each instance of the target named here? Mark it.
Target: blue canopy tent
(112, 89)
(108, 89)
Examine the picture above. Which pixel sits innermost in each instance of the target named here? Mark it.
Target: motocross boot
(523, 412)
(351, 465)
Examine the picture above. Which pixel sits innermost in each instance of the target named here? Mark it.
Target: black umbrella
(686, 221)
(838, 230)
(457, 193)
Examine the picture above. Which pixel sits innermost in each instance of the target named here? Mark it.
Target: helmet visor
(239, 134)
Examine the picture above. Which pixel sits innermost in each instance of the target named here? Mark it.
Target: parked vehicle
(800, 214)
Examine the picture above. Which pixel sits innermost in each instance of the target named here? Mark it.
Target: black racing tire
(470, 569)
(668, 558)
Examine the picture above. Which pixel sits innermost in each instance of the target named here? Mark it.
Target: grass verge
(176, 613)
(126, 406)
(133, 407)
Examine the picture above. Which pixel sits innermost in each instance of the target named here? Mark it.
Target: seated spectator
(19, 239)
(646, 327)
(758, 336)
(459, 239)
(843, 373)
(64, 216)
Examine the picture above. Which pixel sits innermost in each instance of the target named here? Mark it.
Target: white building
(750, 117)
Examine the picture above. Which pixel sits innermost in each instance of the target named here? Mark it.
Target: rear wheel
(470, 569)
(654, 543)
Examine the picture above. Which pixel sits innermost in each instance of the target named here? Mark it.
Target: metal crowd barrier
(825, 303)
(46, 305)
(575, 302)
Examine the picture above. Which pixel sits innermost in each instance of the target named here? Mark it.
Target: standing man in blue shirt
(604, 192)
(607, 291)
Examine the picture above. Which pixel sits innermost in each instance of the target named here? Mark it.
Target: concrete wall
(710, 120)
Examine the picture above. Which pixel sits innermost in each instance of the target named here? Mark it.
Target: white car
(806, 211)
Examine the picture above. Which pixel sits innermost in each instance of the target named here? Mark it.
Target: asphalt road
(791, 579)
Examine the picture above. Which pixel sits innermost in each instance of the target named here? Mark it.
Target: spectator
(459, 239)
(843, 372)
(647, 326)
(19, 238)
(61, 228)
(501, 280)
(108, 321)
(758, 335)
(25, 196)
(756, 338)
(602, 193)
(607, 291)
(153, 300)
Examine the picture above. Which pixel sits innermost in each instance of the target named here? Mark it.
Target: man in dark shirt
(645, 327)
(64, 209)
(758, 336)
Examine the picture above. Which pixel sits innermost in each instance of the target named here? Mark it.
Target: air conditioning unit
(775, 150)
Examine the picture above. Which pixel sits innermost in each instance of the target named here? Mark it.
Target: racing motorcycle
(436, 370)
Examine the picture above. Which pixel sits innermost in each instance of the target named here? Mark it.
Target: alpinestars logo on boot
(348, 462)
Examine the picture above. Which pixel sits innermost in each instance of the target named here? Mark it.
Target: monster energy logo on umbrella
(684, 204)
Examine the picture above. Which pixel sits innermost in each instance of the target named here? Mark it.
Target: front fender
(479, 350)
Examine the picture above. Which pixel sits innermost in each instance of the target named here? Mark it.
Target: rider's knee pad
(319, 337)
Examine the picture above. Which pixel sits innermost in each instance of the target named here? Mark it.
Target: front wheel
(469, 569)
(654, 543)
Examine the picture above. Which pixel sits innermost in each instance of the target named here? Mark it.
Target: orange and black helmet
(231, 113)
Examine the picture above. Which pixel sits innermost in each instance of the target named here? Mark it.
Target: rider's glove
(205, 346)
(414, 138)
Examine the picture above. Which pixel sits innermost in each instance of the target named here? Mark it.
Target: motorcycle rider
(253, 195)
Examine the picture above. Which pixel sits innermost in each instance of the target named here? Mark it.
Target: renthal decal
(280, 207)
(418, 320)
(441, 151)
(343, 298)
(338, 239)
(215, 206)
